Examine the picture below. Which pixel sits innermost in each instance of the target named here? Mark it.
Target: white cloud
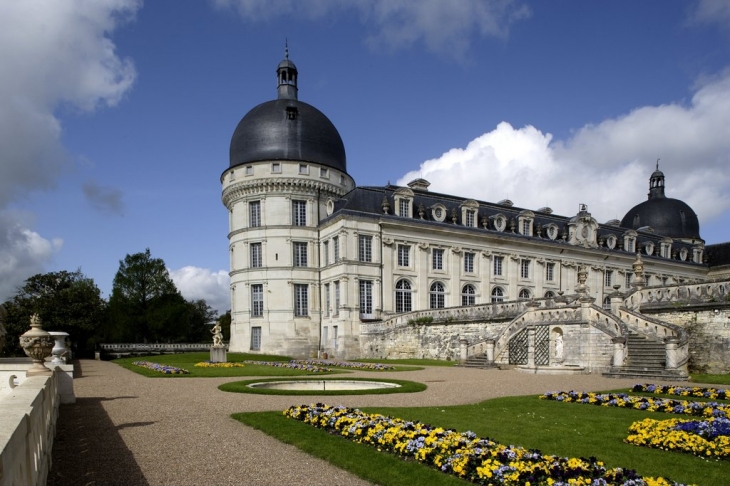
(201, 283)
(711, 12)
(53, 54)
(445, 28)
(606, 166)
(24, 253)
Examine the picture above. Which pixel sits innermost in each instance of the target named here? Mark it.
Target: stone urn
(59, 348)
(37, 344)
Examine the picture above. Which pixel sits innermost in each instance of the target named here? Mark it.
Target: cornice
(282, 185)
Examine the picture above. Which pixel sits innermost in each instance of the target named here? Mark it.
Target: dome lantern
(286, 74)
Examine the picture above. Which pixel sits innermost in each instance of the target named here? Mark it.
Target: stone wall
(708, 326)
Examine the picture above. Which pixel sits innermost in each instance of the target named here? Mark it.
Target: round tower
(287, 161)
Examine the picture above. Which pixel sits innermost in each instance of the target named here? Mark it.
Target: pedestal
(218, 354)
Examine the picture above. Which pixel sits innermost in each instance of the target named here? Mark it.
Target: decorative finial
(286, 48)
(657, 164)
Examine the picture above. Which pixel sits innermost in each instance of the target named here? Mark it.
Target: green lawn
(566, 429)
(710, 379)
(187, 361)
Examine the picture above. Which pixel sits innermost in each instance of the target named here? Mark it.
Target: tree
(145, 305)
(225, 322)
(65, 301)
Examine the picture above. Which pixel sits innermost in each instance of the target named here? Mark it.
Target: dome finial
(286, 47)
(657, 160)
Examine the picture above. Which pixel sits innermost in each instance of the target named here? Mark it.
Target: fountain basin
(322, 385)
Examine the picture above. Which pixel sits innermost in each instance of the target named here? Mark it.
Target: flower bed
(291, 365)
(208, 364)
(464, 454)
(345, 364)
(166, 369)
(706, 438)
(683, 391)
(649, 404)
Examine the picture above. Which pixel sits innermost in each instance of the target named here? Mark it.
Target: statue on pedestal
(217, 335)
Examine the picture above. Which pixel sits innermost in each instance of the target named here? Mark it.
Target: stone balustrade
(681, 293)
(27, 430)
(122, 349)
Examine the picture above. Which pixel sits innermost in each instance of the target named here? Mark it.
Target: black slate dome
(666, 216)
(287, 129)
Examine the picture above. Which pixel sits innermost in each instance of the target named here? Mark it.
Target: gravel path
(126, 429)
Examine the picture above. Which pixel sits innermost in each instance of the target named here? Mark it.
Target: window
(525, 268)
(299, 213)
(470, 217)
(256, 255)
(326, 253)
(336, 248)
(607, 303)
(365, 248)
(608, 278)
(327, 300)
(303, 169)
(404, 208)
(249, 170)
(550, 272)
(468, 295)
(325, 334)
(366, 298)
(498, 266)
(627, 283)
(525, 294)
(337, 298)
(276, 168)
(335, 335)
(254, 213)
(255, 338)
(438, 259)
(550, 295)
(497, 295)
(257, 300)
(404, 253)
(526, 227)
(301, 300)
(437, 296)
(468, 262)
(323, 173)
(403, 296)
(300, 254)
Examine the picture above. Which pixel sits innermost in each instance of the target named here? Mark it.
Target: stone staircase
(478, 361)
(646, 360)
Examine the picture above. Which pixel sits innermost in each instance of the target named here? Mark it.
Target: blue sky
(116, 115)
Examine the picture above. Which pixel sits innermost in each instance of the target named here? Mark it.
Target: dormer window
(403, 200)
(525, 220)
(404, 208)
(438, 212)
(291, 112)
(469, 211)
(500, 222)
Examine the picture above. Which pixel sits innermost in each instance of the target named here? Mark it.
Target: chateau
(321, 265)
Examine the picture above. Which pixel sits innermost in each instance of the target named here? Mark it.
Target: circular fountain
(322, 385)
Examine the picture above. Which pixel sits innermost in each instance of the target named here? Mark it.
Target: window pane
(404, 209)
(403, 302)
(301, 300)
(254, 208)
(438, 259)
(300, 254)
(257, 300)
(365, 251)
(366, 297)
(256, 255)
(498, 265)
(255, 338)
(469, 262)
(299, 213)
(403, 255)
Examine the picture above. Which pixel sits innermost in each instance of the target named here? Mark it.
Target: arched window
(437, 296)
(525, 294)
(497, 295)
(607, 303)
(549, 294)
(468, 295)
(403, 294)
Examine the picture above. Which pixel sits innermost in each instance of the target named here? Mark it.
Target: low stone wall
(708, 329)
(27, 428)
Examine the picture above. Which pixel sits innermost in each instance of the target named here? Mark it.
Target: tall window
(336, 248)
(525, 268)
(404, 253)
(526, 227)
(607, 303)
(525, 294)
(254, 213)
(257, 300)
(301, 300)
(550, 272)
(468, 295)
(256, 255)
(366, 297)
(336, 311)
(438, 259)
(608, 279)
(365, 248)
(255, 338)
(497, 295)
(327, 300)
(498, 265)
(299, 213)
(403, 296)
(470, 213)
(437, 296)
(468, 262)
(326, 253)
(300, 254)
(627, 283)
(405, 208)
